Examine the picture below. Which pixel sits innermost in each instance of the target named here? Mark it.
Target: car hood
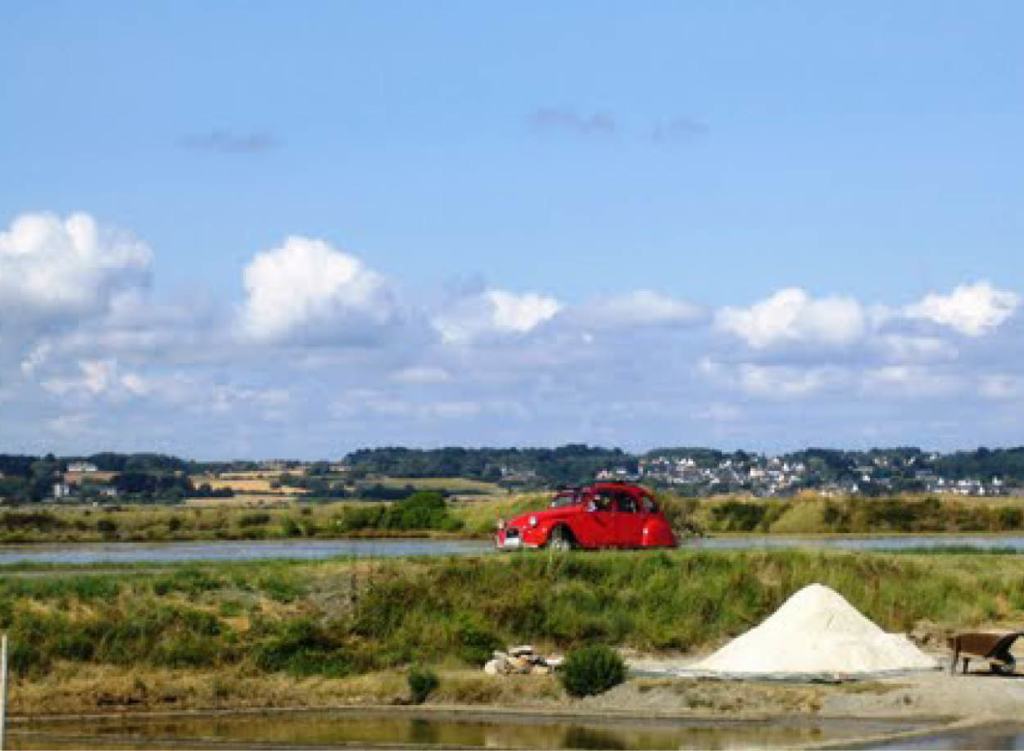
(546, 516)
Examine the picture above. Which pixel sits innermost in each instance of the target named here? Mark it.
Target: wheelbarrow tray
(993, 646)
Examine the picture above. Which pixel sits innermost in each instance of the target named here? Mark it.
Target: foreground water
(368, 730)
(1002, 736)
(246, 550)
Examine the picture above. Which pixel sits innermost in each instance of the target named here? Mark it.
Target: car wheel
(561, 539)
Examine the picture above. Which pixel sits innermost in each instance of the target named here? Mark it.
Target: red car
(602, 515)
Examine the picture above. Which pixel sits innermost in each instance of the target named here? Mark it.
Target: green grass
(139, 523)
(479, 516)
(476, 516)
(347, 617)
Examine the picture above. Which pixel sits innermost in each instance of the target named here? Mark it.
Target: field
(247, 485)
(214, 519)
(219, 635)
(261, 516)
(451, 484)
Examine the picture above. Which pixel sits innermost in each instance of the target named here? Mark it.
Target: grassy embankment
(903, 514)
(265, 634)
(475, 517)
(225, 521)
(800, 515)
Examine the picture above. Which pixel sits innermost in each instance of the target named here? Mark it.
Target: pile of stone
(522, 660)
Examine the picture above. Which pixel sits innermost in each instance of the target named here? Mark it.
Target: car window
(566, 498)
(626, 503)
(601, 502)
(648, 505)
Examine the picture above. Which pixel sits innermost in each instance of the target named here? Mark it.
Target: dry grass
(248, 486)
(72, 688)
(242, 501)
(451, 484)
(75, 688)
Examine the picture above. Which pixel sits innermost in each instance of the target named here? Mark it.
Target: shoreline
(924, 725)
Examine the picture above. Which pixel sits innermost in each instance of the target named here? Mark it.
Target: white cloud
(95, 377)
(53, 268)
(70, 425)
(226, 397)
(914, 348)
(308, 290)
(909, 380)
(1000, 386)
(720, 412)
(972, 309)
(117, 368)
(136, 385)
(375, 402)
(36, 358)
(105, 379)
(520, 313)
(450, 409)
(493, 312)
(421, 374)
(791, 316)
(785, 382)
(772, 381)
(638, 308)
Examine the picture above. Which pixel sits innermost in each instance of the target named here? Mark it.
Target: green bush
(423, 509)
(736, 516)
(42, 521)
(476, 643)
(106, 526)
(1010, 518)
(302, 647)
(422, 683)
(253, 520)
(592, 670)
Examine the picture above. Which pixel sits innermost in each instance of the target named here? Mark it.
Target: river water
(72, 554)
(372, 729)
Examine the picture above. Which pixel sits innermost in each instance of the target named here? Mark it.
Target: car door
(596, 527)
(629, 522)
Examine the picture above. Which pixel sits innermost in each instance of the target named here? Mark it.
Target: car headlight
(533, 521)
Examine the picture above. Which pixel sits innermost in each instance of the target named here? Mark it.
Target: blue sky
(292, 229)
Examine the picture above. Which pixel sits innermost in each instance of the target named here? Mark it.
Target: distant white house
(61, 490)
(82, 467)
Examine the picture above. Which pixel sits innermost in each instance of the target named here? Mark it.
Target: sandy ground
(929, 695)
(979, 695)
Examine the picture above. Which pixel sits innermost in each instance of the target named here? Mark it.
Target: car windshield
(566, 498)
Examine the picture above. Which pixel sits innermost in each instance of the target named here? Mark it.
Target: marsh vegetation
(240, 633)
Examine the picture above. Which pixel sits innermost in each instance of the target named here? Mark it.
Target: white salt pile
(816, 632)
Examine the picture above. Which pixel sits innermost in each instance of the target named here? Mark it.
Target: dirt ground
(979, 695)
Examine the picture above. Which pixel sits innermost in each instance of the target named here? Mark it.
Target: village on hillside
(382, 473)
(779, 476)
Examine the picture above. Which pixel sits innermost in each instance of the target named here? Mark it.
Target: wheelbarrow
(993, 646)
